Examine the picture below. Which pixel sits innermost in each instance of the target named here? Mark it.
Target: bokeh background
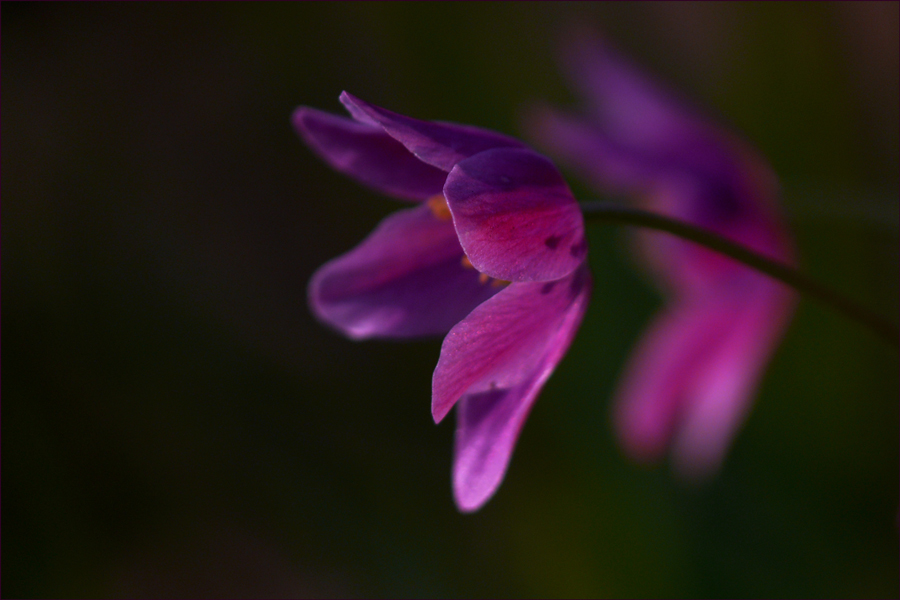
(176, 424)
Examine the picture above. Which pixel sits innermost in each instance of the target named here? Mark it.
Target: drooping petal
(606, 163)
(687, 269)
(643, 139)
(515, 216)
(406, 279)
(439, 144)
(368, 154)
(724, 390)
(494, 363)
(627, 104)
(661, 371)
(690, 381)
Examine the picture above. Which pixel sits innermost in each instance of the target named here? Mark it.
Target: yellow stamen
(483, 278)
(439, 208)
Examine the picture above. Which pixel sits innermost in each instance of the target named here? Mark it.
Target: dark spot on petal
(553, 241)
(578, 282)
(722, 193)
(580, 249)
(481, 405)
(548, 287)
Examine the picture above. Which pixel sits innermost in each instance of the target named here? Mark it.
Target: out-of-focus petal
(723, 184)
(494, 364)
(690, 381)
(658, 378)
(515, 216)
(439, 144)
(607, 164)
(368, 154)
(687, 269)
(406, 279)
(643, 139)
(628, 105)
(724, 390)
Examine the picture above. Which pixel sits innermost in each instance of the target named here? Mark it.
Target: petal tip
(299, 117)
(360, 110)
(438, 412)
(347, 98)
(440, 405)
(468, 503)
(471, 494)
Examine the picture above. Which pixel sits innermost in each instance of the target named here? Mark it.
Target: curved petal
(643, 139)
(654, 387)
(406, 279)
(629, 105)
(607, 164)
(690, 382)
(515, 216)
(439, 144)
(688, 269)
(369, 155)
(723, 391)
(494, 363)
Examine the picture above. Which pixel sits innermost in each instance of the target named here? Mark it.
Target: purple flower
(692, 377)
(492, 255)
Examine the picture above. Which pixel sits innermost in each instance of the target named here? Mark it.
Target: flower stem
(605, 211)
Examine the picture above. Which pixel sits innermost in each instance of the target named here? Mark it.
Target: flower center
(483, 278)
(438, 206)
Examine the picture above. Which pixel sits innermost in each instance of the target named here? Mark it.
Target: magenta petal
(654, 388)
(406, 279)
(643, 139)
(515, 216)
(368, 154)
(691, 380)
(724, 390)
(439, 144)
(495, 363)
(630, 106)
(605, 163)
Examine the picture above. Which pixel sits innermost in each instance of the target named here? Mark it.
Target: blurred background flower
(692, 377)
(172, 409)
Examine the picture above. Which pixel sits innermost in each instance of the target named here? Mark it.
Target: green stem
(605, 211)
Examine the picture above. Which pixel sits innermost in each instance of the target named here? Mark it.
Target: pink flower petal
(643, 140)
(406, 279)
(367, 154)
(724, 389)
(598, 158)
(690, 382)
(654, 387)
(630, 106)
(495, 363)
(439, 144)
(515, 216)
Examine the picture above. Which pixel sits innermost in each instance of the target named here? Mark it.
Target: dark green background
(175, 423)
